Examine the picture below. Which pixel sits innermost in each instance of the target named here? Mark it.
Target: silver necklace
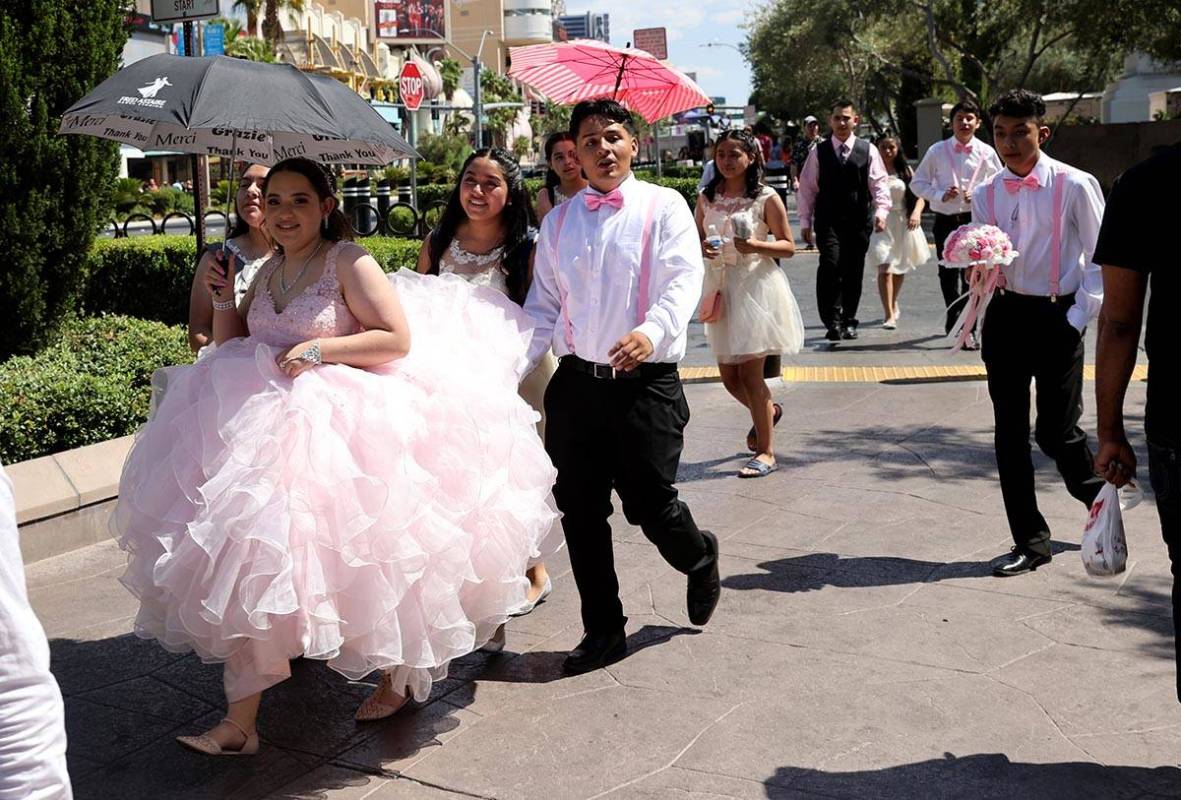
(284, 288)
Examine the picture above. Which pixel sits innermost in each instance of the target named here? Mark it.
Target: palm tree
(272, 31)
(251, 7)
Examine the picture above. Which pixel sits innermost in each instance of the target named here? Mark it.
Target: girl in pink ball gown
(347, 477)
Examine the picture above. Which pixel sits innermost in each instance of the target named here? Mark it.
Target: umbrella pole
(230, 191)
(619, 78)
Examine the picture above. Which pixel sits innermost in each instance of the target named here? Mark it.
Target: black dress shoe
(705, 585)
(849, 333)
(833, 335)
(1017, 562)
(596, 650)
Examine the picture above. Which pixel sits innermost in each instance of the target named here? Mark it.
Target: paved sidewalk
(860, 649)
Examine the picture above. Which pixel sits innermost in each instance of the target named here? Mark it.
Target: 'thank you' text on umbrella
(230, 107)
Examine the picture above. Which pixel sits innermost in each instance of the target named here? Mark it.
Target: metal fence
(383, 218)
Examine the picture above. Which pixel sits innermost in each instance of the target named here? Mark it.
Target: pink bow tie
(963, 148)
(613, 198)
(1014, 185)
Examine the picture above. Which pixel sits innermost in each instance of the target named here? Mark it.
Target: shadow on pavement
(545, 666)
(984, 776)
(815, 571)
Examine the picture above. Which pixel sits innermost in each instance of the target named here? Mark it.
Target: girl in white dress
(485, 235)
(564, 178)
(759, 316)
(247, 241)
(902, 246)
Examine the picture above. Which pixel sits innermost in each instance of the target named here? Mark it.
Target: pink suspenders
(645, 268)
(948, 151)
(1055, 234)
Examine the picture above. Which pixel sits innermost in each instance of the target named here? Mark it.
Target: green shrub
(143, 276)
(150, 277)
(391, 253)
(55, 191)
(88, 386)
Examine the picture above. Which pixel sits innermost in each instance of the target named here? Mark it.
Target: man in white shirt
(845, 195)
(946, 177)
(32, 725)
(1034, 327)
(617, 277)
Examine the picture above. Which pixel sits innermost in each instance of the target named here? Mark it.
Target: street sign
(215, 39)
(410, 89)
(651, 40)
(183, 10)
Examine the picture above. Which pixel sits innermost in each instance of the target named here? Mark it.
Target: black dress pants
(839, 276)
(624, 434)
(1028, 339)
(1164, 470)
(952, 282)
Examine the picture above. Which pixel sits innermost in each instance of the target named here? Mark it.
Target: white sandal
(205, 744)
(372, 709)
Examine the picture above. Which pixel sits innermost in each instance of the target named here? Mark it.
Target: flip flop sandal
(757, 469)
(752, 436)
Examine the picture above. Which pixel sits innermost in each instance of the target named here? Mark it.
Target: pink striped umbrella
(587, 69)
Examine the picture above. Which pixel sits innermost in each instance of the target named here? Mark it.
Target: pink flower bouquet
(976, 244)
(982, 249)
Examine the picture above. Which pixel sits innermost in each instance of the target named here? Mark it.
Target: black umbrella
(240, 109)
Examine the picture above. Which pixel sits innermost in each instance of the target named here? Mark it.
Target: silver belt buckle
(604, 371)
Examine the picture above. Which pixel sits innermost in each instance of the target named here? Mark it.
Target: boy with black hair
(1034, 327)
(617, 276)
(844, 194)
(945, 178)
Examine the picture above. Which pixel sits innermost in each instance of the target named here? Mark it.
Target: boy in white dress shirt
(617, 277)
(945, 178)
(1034, 327)
(32, 727)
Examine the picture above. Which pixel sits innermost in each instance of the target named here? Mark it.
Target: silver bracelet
(312, 354)
(227, 305)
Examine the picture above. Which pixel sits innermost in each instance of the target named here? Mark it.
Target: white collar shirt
(1028, 218)
(586, 276)
(32, 724)
(942, 167)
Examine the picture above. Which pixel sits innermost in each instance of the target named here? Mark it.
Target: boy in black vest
(844, 197)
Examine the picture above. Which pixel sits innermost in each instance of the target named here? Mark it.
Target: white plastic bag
(1105, 548)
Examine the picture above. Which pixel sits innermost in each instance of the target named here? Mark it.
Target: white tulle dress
(898, 247)
(483, 269)
(372, 518)
(760, 316)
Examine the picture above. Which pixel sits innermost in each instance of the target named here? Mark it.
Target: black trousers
(627, 435)
(842, 268)
(952, 282)
(1029, 339)
(1164, 470)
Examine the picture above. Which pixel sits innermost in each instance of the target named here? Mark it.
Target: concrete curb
(63, 500)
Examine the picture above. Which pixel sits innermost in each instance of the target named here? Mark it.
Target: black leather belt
(608, 372)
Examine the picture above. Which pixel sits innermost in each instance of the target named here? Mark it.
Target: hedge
(150, 276)
(90, 385)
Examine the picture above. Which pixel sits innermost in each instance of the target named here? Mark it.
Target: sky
(721, 71)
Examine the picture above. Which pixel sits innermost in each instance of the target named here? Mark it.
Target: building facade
(587, 26)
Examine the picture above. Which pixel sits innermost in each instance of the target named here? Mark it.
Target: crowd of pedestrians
(370, 470)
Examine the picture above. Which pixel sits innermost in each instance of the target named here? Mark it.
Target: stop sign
(410, 86)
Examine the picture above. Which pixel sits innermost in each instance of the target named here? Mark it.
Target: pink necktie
(613, 198)
(1014, 185)
(963, 148)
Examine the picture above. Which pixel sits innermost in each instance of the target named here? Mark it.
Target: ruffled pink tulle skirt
(375, 519)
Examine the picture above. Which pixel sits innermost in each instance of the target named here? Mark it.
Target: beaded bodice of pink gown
(319, 311)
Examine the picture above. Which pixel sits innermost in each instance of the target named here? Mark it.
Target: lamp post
(477, 108)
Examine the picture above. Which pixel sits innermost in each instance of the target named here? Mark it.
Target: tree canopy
(884, 54)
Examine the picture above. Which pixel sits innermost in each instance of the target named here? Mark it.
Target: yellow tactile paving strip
(952, 372)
